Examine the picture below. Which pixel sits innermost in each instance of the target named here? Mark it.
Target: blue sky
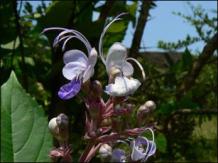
(166, 26)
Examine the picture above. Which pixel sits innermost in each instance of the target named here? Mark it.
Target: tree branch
(105, 10)
(187, 112)
(189, 79)
(143, 17)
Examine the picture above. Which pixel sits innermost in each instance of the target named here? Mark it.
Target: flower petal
(88, 73)
(127, 69)
(118, 155)
(133, 85)
(118, 88)
(136, 154)
(75, 56)
(116, 56)
(138, 148)
(69, 90)
(93, 57)
(122, 86)
(73, 69)
(152, 148)
(142, 148)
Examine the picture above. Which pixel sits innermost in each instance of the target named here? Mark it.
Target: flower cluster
(105, 125)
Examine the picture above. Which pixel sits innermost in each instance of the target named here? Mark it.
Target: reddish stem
(92, 152)
(86, 152)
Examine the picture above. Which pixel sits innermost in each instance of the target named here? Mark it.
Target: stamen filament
(100, 45)
(65, 42)
(139, 65)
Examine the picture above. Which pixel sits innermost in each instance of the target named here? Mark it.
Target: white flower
(119, 68)
(122, 86)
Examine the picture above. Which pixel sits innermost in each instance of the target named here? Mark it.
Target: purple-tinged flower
(119, 68)
(118, 155)
(78, 67)
(142, 148)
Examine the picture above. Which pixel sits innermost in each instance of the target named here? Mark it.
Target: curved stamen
(56, 42)
(65, 42)
(152, 132)
(147, 147)
(51, 29)
(84, 38)
(100, 45)
(139, 65)
(77, 34)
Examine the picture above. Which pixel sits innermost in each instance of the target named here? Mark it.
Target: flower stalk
(106, 123)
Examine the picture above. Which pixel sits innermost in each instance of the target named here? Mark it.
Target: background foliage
(186, 98)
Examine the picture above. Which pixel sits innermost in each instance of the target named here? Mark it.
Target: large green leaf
(24, 133)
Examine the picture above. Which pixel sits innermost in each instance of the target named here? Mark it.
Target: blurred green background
(181, 81)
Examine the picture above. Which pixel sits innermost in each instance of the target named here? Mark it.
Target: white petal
(73, 69)
(133, 85)
(88, 73)
(119, 88)
(116, 56)
(127, 69)
(75, 56)
(93, 57)
(122, 86)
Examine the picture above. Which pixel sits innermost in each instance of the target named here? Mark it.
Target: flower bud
(96, 88)
(53, 126)
(142, 110)
(150, 105)
(58, 126)
(106, 122)
(146, 108)
(62, 121)
(105, 150)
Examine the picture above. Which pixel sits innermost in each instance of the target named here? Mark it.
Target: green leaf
(161, 142)
(11, 45)
(117, 27)
(57, 15)
(24, 132)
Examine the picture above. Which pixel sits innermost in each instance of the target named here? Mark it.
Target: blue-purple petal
(118, 155)
(70, 90)
(152, 148)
